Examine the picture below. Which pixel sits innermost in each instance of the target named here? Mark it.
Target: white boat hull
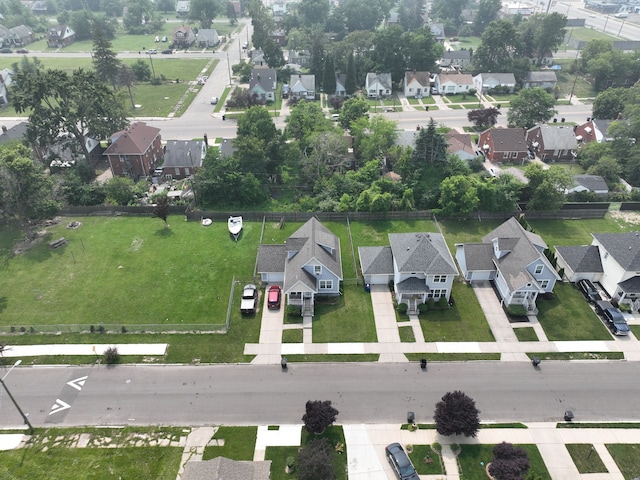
(235, 226)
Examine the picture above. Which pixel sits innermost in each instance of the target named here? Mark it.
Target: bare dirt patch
(632, 218)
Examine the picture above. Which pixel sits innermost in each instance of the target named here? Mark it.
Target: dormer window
(317, 269)
(539, 269)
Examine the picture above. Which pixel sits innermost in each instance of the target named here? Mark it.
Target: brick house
(552, 144)
(182, 158)
(135, 151)
(183, 37)
(503, 144)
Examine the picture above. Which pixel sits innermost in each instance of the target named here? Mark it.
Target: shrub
(402, 308)
(423, 307)
(509, 462)
(111, 356)
(315, 461)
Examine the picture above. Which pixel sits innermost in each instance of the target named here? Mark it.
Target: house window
(168, 176)
(187, 172)
(177, 172)
(326, 284)
(437, 293)
(505, 155)
(439, 278)
(539, 269)
(519, 294)
(544, 283)
(317, 269)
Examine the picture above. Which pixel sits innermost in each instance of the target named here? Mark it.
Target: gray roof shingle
(581, 258)
(556, 138)
(422, 252)
(376, 260)
(623, 247)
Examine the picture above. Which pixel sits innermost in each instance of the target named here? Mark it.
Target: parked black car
(6, 50)
(613, 318)
(589, 291)
(400, 462)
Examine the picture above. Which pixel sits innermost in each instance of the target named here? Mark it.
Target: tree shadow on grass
(164, 232)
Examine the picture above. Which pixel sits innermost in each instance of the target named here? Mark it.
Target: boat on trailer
(235, 226)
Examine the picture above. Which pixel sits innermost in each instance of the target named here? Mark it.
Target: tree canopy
(456, 414)
(319, 414)
(530, 107)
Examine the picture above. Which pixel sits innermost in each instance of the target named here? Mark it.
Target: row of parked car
(249, 302)
(611, 315)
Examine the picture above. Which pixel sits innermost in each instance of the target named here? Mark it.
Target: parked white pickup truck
(249, 299)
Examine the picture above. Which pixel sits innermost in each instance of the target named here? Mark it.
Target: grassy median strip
(586, 458)
(474, 458)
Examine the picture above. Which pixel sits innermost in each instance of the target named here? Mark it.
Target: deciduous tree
(487, 12)
(509, 462)
(530, 107)
(319, 414)
(205, 11)
(484, 117)
(456, 414)
(315, 461)
(353, 109)
(610, 103)
(161, 209)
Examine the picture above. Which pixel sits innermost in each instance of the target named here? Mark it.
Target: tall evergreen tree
(350, 82)
(329, 78)
(105, 61)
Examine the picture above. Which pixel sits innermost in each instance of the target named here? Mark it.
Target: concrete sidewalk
(70, 349)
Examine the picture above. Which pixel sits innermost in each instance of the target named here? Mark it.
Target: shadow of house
(307, 264)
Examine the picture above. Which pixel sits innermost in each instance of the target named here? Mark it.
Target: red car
(273, 297)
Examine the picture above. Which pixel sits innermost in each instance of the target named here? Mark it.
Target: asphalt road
(363, 393)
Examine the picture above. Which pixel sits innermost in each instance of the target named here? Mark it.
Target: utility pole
(229, 68)
(152, 69)
(22, 414)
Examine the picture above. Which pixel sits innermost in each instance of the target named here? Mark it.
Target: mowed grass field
(126, 270)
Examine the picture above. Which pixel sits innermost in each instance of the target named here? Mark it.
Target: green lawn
(586, 34)
(239, 443)
(577, 232)
(128, 270)
(278, 455)
(159, 463)
(346, 318)
(568, 317)
(465, 321)
(568, 82)
(406, 334)
(426, 461)
(627, 457)
(586, 458)
(473, 459)
(526, 334)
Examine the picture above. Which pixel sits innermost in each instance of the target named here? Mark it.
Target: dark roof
(582, 258)
(546, 76)
(412, 285)
(376, 260)
(623, 247)
(508, 139)
(134, 140)
(184, 153)
(479, 256)
(221, 468)
(520, 248)
(226, 148)
(423, 252)
(383, 79)
(631, 285)
(15, 133)
(457, 55)
(591, 182)
(556, 138)
(501, 78)
(265, 77)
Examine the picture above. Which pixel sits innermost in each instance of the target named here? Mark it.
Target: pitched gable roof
(457, 55)
(544, 76)
(383, 79)
(556, 138)
(500, 78)
(264, 78)
(421, 77)
(134, 140)
(593, 183)
(519, 248)
(422, 252)
(376, 260)
(457, 78)
(623, 247)
(459, 143)
(582, 258)
(184, 153)
(507, 139)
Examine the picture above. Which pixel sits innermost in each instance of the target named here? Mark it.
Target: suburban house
(552, 144)
(39, 7)
(460, 144)
(17, 133)
(419, 265)
(20, 35)
(5, 81)
(219, 468)
(279, 8)
(416, 84)
(182, 7)
(303, 86)
(183, 36)
(257, 58)
(307, 264)
(182, 158)
(589, 183)
(545, 79)
(593, 131)
(486, 82)
(279, 36)
(341, 80)
(514, 260)
(456, 58)
(299, 57)
(452, 83)
(208, 37)
(59, 36)
(507, 145)
(378, 85)
(66, 151)
(437, 29)
(134, 151)
(263, 83)
(612, 259)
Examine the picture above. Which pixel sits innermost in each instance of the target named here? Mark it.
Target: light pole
(152, 69)
(22, 414)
